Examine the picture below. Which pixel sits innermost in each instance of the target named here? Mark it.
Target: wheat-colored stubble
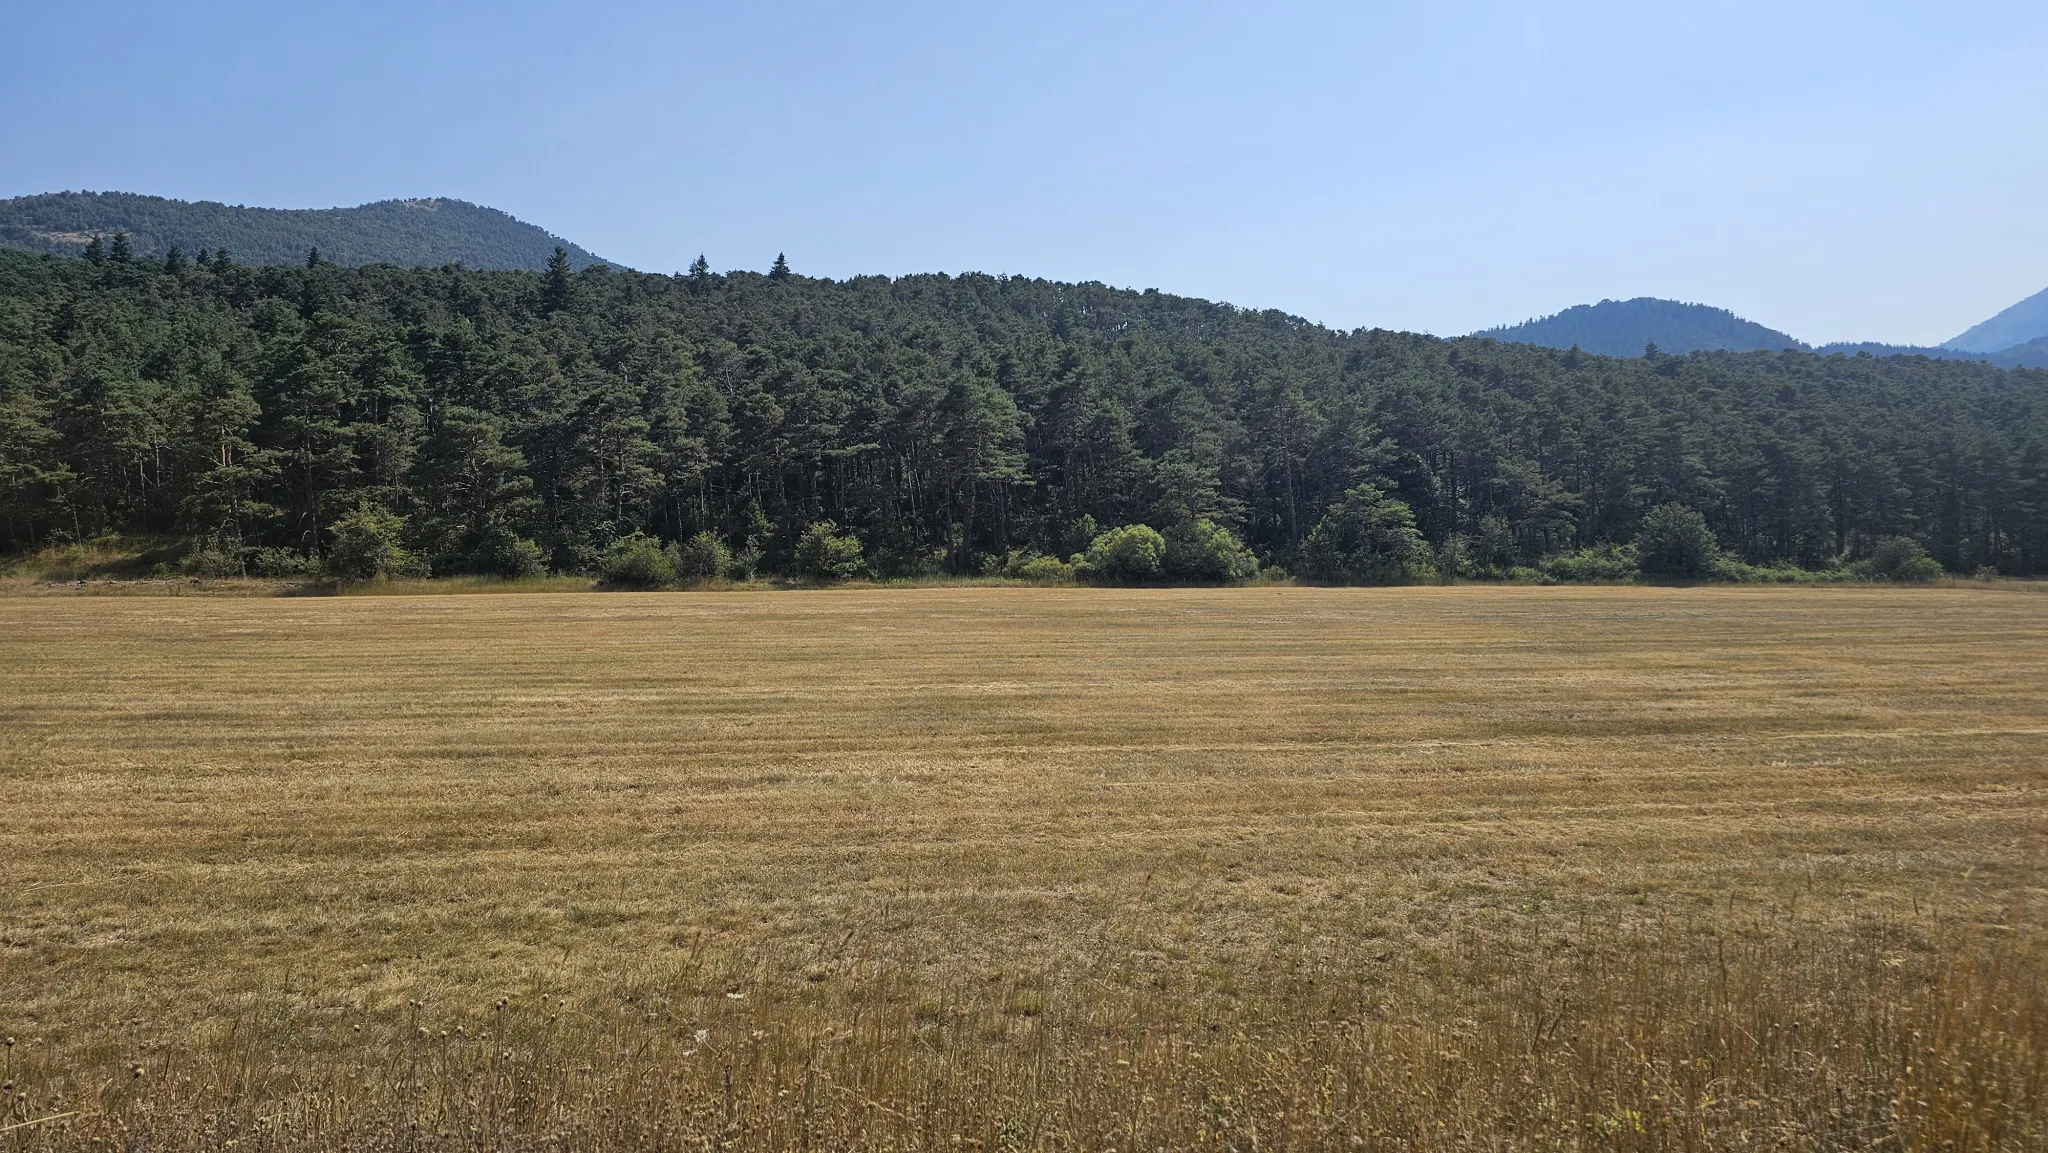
(845, 797)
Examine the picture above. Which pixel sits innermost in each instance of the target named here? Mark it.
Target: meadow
(1485, 868)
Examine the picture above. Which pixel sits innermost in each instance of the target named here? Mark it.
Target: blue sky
(1863, 170)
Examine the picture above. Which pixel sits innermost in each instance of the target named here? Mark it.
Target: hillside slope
(2023, 322)
(407, 233)
(1624, 327)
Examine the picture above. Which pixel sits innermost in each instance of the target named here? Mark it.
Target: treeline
(445, 420)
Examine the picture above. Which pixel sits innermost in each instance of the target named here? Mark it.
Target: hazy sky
(1866, 170)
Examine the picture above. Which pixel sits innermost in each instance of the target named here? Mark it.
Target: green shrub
(825, 552)
(1674, 541)
(635, 562)
(1130, 554)
(701, 558)
(500, 552)
(1202, 550)
(214, 560)
(277, 563)
(368, 544)
(1901, 559)
(1366, 538)
(1044, 570)
(1600, 563)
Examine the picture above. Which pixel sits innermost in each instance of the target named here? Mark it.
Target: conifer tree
(122, 252)
(313, 257)
(780, 270)
(95, 252)
(700, 269)
(174, 260)
(555, 290)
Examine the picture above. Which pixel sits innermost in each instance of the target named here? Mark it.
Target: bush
(1900, 558)
(1131, 554)
(281, 562)
(1044, 570)
(1674, 541)
(828, 553)
(501, 553)
(701, 558)
(635, 562)
(368, 544)
(1365, 538)
(213, 560)
(1601, 563)
(1202, 550)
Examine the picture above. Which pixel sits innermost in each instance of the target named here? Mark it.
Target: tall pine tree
(556, 288)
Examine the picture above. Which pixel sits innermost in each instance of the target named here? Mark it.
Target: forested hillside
(944, 423)
(402, 232)
(1626, 327)
(2023, 323)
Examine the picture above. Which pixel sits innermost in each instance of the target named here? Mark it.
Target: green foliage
(1900, 559)
(407, 233)
(1130, 554)
(1674, 541)
(636, 561)
(1600, 563)
(1202, 550)
(368, 543)
(1043, 570)
(949, 421)
(1625, 327)
(825, 552)
(1365, 538)
(701, 558)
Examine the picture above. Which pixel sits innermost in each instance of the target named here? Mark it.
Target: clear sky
(1839, 170)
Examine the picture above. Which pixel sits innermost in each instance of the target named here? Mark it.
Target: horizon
(1443, 172)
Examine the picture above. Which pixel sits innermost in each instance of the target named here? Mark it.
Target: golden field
(1492, 868)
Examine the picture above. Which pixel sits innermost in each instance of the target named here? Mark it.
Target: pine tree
(122, 252)
(174, 260)
(95, 252)
(221, 260)
(204, 259)
(700, 269)
(313, 257)
(555, 290)
(780, 270)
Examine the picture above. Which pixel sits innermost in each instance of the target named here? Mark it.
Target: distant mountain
(401, 232)
(2033, 354)
(1623, 327)
(2023, 322)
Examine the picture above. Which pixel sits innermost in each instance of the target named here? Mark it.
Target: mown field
(1493, 868)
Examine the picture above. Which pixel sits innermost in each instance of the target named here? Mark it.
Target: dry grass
(1462, 868)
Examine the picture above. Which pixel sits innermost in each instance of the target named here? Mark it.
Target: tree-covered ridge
(457, 420)
(2023, 323)
(1626, 327)
(406, 233)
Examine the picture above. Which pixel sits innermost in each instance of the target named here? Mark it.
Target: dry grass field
(985, 869)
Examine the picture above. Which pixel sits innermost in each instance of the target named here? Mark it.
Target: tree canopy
(471, 421)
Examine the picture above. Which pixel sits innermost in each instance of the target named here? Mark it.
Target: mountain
(407, 233)
(2033, 354)
(2023, 322)
(1623, 327)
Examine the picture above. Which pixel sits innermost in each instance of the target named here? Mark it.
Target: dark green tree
(557, 286)
(1675, 541)
(1366, 538)
(780, 269)
(122, 251)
